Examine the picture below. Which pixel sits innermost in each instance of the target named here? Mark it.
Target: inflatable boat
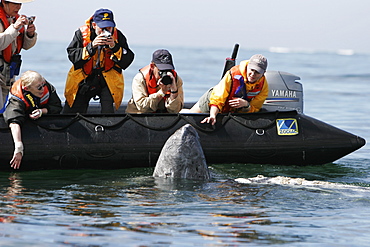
(280, 134)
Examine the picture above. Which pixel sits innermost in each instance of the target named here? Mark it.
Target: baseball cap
(163, 59)
(104, 18)
(258, 62)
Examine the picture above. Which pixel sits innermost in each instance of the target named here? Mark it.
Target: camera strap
(97, 64)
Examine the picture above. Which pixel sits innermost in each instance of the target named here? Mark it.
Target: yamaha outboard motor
(285, 92)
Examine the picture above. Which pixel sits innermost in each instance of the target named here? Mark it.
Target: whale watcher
(99, 52)
(32, 97)
(17, 32)
(242, 89)
(157, 87)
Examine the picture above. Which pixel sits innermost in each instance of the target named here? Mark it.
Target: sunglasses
(41, 87)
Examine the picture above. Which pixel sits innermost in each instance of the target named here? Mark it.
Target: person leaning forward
(157, 87)
(243, 88)
(99, 52)
(30, 97)
(13, 37)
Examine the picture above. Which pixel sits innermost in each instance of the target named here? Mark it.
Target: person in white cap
(243, 89)
(14, 36)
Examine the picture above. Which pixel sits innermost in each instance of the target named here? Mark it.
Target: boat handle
(260, 132)
(99, 128)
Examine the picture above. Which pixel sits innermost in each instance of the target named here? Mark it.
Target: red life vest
(235, 74)
(150, 81)
(17, 92)
(7, 52)
(108, 53)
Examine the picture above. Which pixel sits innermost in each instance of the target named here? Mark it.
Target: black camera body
(31, 19)
(166, 79)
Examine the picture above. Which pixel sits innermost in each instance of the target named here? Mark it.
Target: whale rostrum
(182, 156)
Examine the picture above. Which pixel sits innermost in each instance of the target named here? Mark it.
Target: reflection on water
(145, 206)
(108, 208)
(116, 206)
(12, 195)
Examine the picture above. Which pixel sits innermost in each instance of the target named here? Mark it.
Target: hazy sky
(296, 24)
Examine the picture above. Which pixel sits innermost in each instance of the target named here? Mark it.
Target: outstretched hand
(212, 115)
(211, 120)
(16, 161)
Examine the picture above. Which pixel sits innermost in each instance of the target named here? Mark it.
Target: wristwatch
(247, 107)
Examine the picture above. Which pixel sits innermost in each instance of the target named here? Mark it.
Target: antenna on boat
(230, 61)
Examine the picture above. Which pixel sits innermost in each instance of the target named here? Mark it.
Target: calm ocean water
(130, 208)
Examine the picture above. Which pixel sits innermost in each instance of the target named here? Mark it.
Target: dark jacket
(16, 112)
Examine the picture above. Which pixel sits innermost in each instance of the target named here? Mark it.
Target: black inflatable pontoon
(122, 141)
(281, 134)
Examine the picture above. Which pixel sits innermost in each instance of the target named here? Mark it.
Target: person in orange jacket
(243, 88)
(99, 53)
(157, 87)
(17, 32)
(30, 98)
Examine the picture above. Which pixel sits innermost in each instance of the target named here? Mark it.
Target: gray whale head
(182, 156)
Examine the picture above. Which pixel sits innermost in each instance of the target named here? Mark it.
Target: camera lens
(166, 79)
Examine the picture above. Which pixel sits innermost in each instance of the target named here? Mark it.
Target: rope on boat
(265, 126)
(242, 121)
(79, 117)
(73, 120)
(177, 119)
(104, 125)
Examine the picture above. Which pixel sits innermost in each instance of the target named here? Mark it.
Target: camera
(31, 19)
(166, 79)
(107, 34)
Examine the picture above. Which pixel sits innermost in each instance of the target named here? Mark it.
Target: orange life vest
(108, 63)
(150, 81)
(7, 52)
(17, 92)
(237, 78)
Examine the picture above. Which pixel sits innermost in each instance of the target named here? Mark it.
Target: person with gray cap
(99, 53)
(243, 89)
(157, 87)
(14, 36)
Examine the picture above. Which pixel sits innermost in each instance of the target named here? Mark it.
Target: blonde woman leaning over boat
(243, 88)
(30, 97)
